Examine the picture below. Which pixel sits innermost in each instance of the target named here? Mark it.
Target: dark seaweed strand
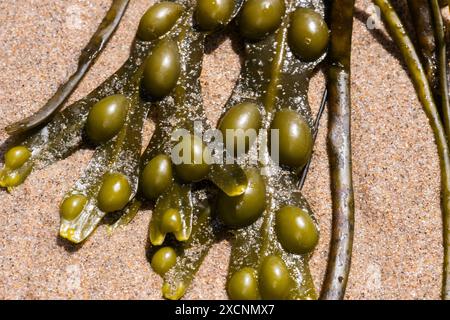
(441, 49)
(316, 131)
(422, 20)
(418, 76)
(339, 145)
(87, 58)
(160, 143)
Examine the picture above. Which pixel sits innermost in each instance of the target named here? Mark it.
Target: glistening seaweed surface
(188, 209)
(162, 76)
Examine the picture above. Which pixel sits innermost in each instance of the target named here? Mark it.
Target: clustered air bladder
(273, 228)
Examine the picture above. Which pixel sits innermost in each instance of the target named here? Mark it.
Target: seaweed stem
(339, 146)
(319, 115)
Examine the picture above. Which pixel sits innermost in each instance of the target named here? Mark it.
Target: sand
(398, 245)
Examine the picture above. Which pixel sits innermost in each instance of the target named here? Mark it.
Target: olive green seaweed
(257, 201)
(182, 109)
(119, 155)
(87, 58)
(192, 252)
(64, 133)
(425, 94)
(285, 87)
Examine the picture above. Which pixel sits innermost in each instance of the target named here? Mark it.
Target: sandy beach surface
(397, 247)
